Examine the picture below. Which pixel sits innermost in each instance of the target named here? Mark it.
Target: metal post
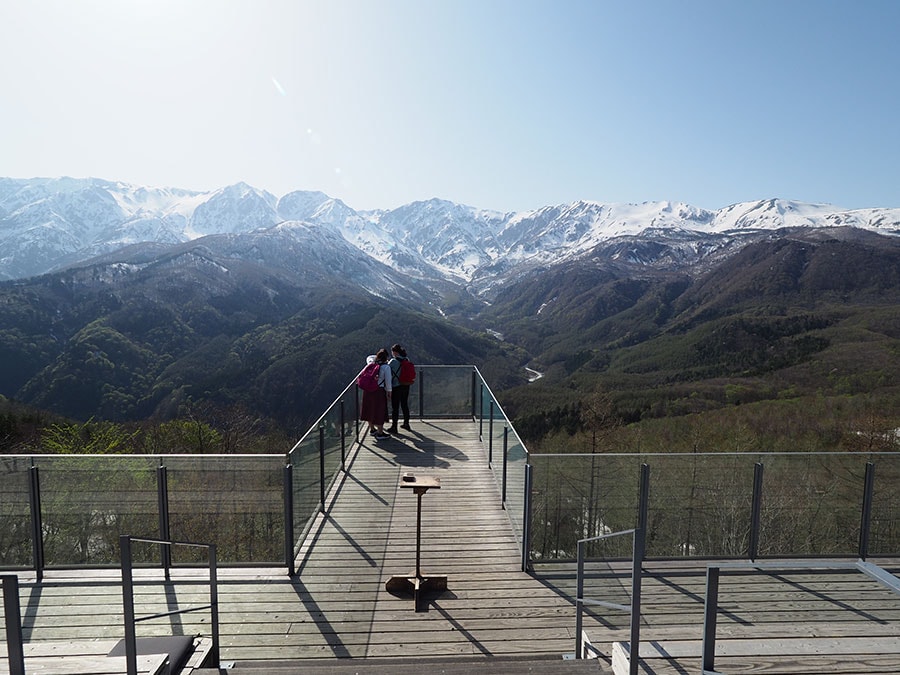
(755, 510)
(638, 551)
(419, 493)
(474, 382)
(505, 460)
(356, 403)
(421, 382)
(481, 414)
(13, 612)
(288, 478)
(579, 602)
(644, 504)
(214, 604)
(322, 469)
(526, 520)
(639, 544)
(162, 495)
(128, 605)
(710, 611)
(343, 440)
(37, 526)
(491, 434)
(866, 518)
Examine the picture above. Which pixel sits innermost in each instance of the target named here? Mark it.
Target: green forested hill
(809, 316)
(83, 346)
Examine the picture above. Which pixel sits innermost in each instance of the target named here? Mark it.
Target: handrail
(639, 535)
(125, 542)
(13, 620)
(315, 425)
(580, 600)
(711, 605)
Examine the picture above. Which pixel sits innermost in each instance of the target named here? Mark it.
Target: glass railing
(318, 456)
(507, 454)
(711, 505)
(69, 510)
(15, 512)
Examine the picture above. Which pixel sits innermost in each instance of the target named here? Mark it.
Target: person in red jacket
(400, 398)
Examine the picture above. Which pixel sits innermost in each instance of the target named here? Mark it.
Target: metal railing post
(866, 517)
(474, 382)
(162, 496)
(128, 605)
(579, 602)
(421, 382)
(37, 525)
(343, 440)
(288, 477)
(491, 434)
(505, 458)
(639, 543)
(13, 613)
(526, 520)
(644, 499)
(755, 510)
(710, 610)
(481, 414)
(322, 468)
(638, 552)
(214, 604)
(356, 411)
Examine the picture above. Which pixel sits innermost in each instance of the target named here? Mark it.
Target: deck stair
(400, 666)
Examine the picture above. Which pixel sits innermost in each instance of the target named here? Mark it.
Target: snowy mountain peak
(46, 223)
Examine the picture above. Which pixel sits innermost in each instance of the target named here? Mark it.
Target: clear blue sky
(500, 104)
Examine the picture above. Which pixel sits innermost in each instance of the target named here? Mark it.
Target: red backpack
(368, 378)
(407, 372)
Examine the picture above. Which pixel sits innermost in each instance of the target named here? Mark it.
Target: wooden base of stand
(417, 586)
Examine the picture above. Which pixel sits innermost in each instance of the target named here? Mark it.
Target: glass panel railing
(516, 462)
(87, 501)
(318, 456)
(700, 505)
(235, 501)
(442, 391)
(580, 496)
(15, 512)
(811, 504)
(497, 433)
(884, 535)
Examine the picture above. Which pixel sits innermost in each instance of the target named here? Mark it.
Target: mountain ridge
(48, 224)
(160, 298)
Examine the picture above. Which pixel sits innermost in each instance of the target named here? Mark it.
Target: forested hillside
(797, 322)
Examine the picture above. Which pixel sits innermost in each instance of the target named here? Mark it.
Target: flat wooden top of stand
(408, 480)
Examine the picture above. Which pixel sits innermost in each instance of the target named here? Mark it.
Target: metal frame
(638, 547)
(125, 542)
(13, 620)
(711, 604)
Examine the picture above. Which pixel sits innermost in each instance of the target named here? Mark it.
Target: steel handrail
(711, 604)
(131, 619)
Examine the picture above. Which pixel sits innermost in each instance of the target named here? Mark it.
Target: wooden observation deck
(338, 606)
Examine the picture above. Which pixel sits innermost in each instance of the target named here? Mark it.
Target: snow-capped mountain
(47, 224)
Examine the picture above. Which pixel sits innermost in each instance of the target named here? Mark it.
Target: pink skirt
(374, 407)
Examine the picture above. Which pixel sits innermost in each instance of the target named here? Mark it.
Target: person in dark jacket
(400, 397)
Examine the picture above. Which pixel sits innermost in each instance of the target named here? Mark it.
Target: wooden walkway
(338, 607)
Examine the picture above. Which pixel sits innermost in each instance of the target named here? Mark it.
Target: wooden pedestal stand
(418, 584)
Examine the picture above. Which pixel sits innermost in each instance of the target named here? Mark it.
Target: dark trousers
(400, 399)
